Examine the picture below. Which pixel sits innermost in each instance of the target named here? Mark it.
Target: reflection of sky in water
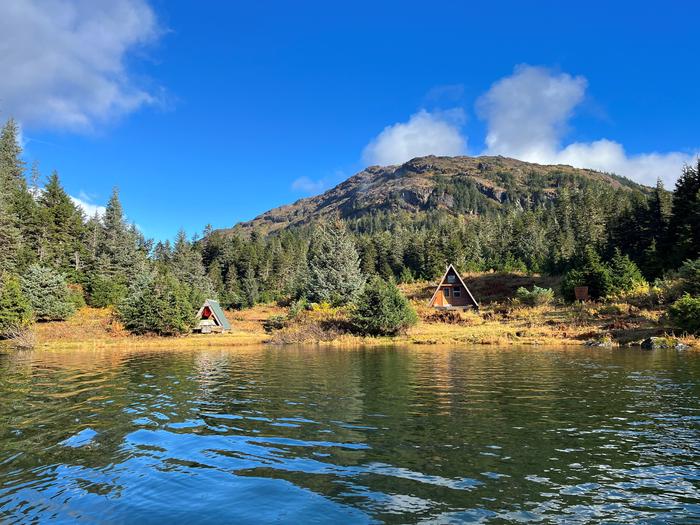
(308, 435)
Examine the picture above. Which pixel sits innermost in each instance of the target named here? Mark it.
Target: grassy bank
(499, 322)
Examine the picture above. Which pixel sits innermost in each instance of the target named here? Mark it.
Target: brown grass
(499, 322)
(97, 328)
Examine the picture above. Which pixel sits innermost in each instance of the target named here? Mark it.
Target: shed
(211, 318)
(452, 292)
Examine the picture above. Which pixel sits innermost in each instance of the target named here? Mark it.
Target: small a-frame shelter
(211, 318)
(452, 292)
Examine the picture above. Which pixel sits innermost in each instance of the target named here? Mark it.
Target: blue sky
(215, 112)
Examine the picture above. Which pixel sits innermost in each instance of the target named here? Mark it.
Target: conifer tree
(685, 215)
(186, 265)
(381, 309)
(10, 239)
(117, 249)
(334, 265)
(625, 275)
(48, 293)
(157, 303)
(63, 229)
(11, 163)
(15, 309)
(16, 196)
(250, 289)
(232, 296)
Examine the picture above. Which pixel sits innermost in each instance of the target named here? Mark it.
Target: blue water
(308, 435)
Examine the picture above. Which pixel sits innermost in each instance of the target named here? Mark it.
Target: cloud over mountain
(528, 114)
(425, 133)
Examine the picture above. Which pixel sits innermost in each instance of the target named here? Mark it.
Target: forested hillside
(401, 222)
(459, 185)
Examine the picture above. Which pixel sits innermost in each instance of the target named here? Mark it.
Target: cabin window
(446, 291)
(451, 279)
(457, 291)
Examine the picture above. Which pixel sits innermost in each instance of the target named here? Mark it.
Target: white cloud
(528, 114)
(425, 133)
(88, 208)
(316, 186)
(308, 185)
(63, 61)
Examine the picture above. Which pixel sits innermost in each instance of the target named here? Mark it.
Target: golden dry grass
(96, 328)
(500, 321)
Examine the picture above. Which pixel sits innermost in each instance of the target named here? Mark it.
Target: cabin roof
(217, 312)
(442, 281)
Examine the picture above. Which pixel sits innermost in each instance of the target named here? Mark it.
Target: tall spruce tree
(62, 239)
(19, 201)
(685, 216)
(334, 265)
(118, 256)
(186, 265)
(11, 162)
(10, 237)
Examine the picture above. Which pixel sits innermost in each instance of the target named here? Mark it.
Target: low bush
(535, 297)
(297, 308)
(685, 314)
(381, 309)
(642, 295)
(274, 322)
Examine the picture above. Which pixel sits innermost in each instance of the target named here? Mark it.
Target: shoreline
(600, 325)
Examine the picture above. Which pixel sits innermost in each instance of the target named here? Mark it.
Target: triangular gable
(442, 281)
(217, 312)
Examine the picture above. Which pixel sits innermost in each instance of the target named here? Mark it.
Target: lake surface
(307, 435)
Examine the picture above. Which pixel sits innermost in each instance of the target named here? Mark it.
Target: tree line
(47, 244)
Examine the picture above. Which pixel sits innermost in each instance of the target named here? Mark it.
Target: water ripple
(303, 435)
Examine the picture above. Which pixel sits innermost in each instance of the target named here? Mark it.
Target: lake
(309, 435)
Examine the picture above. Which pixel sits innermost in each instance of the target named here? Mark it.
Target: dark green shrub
(381, 309)
(685, 314)
(157, 303)
(591, 272)
(15, 308)
(535, 297)
(48, 293)
(274, 322)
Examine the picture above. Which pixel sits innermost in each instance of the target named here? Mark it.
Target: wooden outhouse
(452, 292)
(211, 318)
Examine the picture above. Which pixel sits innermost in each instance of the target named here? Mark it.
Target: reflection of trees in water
(446, 427)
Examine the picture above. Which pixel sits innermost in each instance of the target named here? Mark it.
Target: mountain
(458, 185)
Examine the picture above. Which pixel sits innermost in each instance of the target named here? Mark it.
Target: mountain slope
(461, 185)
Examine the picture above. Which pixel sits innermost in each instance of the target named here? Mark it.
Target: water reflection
(309, 435)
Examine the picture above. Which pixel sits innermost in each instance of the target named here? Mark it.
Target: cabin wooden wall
(442, 301)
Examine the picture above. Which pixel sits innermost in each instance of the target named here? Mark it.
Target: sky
(214, 112)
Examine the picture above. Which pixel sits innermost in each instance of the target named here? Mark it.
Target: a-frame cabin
(452, 292)
(211, 318)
